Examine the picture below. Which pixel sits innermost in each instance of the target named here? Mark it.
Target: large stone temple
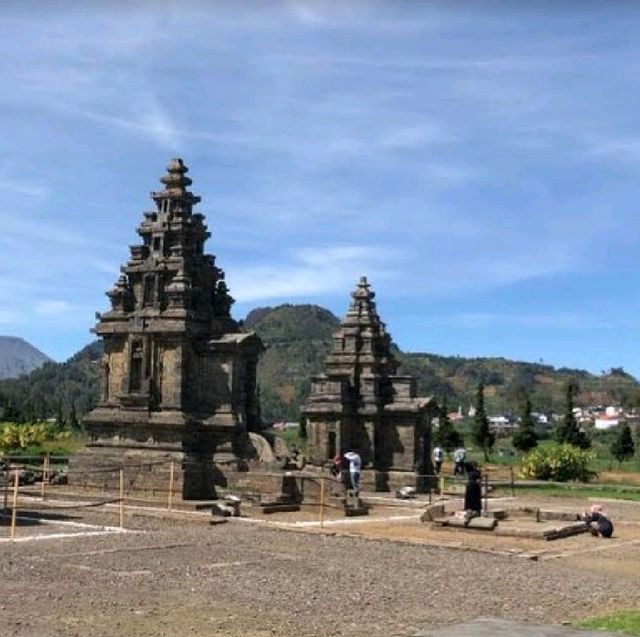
(178, 375)
(361, 404)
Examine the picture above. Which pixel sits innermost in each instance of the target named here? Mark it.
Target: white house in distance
(611, 417)
(539, 418)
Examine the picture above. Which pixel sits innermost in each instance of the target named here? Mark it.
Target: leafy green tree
(568, 431)
(623, 448)
(482, 435)
(446, 435)
(525, 437)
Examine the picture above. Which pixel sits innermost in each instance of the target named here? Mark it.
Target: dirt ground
(72, 571)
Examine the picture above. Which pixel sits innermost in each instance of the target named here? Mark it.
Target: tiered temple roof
(169, 275)
(361, 345)
(360, 402)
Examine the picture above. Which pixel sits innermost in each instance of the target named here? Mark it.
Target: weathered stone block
(432, 512)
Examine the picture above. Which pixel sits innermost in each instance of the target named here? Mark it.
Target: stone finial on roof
(176, 183)
(176, 175)
(362, 308)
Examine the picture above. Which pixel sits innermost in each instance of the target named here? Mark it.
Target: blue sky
(479, 162)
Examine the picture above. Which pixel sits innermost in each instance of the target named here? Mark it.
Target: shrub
(559, 463)
(14, 436)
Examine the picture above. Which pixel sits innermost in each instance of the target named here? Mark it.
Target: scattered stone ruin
(523, 522)
(178, 375)
(361, 404)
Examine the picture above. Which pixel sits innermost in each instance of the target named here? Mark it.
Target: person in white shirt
(459, 456)
(438, 458)
(355, 464)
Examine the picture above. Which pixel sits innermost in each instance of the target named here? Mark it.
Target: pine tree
(11, 414)
(525, 437)
(59, 416)
(446, 435)
(568, 431)
(482, 436)
(303, 427)
(623, 447)
(73, 418)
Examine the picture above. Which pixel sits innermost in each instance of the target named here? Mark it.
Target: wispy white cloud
(445, 154)
(307, 272)
(510, 63)
(560, 320)
(626, 150)
(16, 231)
(9, 317)
(52, 308)
(22, 187)
(152, 122)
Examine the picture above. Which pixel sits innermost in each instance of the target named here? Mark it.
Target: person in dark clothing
(598, 521)
(336, 466)
(472, 492)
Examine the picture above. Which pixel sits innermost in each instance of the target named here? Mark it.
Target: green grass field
(614, 492)
(625, 622)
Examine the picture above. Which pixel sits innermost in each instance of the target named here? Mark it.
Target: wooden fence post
(441, 484)
(6, 489)
(322, 502)
(45, 474)
(486, 493)
(513, 486)
(171, 478)
(14, 507)
(122, 498)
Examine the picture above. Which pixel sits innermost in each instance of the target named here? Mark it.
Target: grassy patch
(627, 622)
(585, 491)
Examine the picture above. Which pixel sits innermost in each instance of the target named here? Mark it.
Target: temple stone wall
(360, 403)
(178, 373)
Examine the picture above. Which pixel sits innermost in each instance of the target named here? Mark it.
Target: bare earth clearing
(184, 577)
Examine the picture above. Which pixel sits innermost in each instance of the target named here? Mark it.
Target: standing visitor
(459, 456)
(473, 492)
(355, 463)
(336, 466)
(438, 458)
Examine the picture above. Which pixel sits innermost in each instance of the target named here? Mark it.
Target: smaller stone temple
(361, 404)
(178, 374)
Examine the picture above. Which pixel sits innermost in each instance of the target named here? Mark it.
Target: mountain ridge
(298, 339)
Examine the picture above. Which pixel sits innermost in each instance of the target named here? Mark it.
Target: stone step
(280, 507)
(480, 523)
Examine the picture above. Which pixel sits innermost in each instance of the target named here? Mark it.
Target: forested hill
(18, 357)
(507, 381)
(55, 390)
(298, 339)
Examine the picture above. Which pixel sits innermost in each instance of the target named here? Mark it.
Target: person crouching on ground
(598, 521)
(355, 463)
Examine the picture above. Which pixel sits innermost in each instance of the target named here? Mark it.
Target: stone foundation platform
(147, 472)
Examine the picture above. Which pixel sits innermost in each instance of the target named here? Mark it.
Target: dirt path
(188, 578)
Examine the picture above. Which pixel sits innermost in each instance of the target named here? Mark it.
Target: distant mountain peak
(18, 357)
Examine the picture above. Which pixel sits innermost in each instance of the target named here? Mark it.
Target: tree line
(525, 438)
